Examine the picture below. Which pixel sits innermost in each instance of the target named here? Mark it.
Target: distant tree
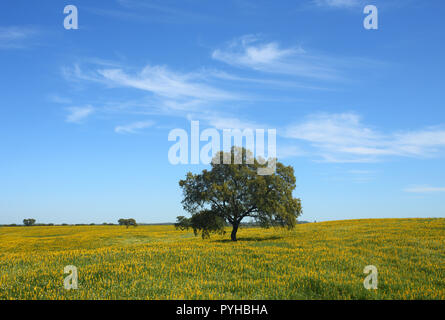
(132, 222)
(29, 222)
(232, 192)
(127, 222)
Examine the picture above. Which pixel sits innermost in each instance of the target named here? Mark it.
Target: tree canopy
(228, 193)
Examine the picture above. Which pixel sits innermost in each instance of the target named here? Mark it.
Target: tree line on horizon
(32, 222)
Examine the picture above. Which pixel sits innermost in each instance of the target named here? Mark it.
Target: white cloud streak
(249, 52)
(424, 189)
(133, 127)
(344, 138)
(169, 93)
(78, 114)
(338, 3)
(166, 83)
(337, 138)
(16, 37)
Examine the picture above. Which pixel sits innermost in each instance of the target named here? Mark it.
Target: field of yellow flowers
(313, 261)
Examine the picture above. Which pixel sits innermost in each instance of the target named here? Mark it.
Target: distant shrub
(29, 222)
(127, 222)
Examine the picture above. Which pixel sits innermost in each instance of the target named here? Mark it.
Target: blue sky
(85, 114)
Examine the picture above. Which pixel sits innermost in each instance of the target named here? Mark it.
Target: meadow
(314, 261)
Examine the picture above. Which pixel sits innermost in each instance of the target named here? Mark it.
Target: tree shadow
(249, 239)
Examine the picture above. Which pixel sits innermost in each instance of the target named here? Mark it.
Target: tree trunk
(234, 230)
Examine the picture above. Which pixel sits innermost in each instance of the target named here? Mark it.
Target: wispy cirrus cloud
(338, 3)
(177, 93)
(340, 138)
(16, 37)
(424, 189)
(167, 92)
(79, 114)
(166, 10)
(223, 120)
(278, 83)
(164, 82)
(345, 138)
(355, 5)
(251, 52)
(133, 127)
(163, 11)
(158, 80)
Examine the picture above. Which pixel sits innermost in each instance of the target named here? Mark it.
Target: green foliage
(127, 222)
(204, 221)
(234, 191)
(183, 223)
(29, 222)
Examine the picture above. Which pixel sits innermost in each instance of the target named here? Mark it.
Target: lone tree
(29, 222)
(127, 222)
(228, 193)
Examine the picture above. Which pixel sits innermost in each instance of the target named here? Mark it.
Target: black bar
(227, 309)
